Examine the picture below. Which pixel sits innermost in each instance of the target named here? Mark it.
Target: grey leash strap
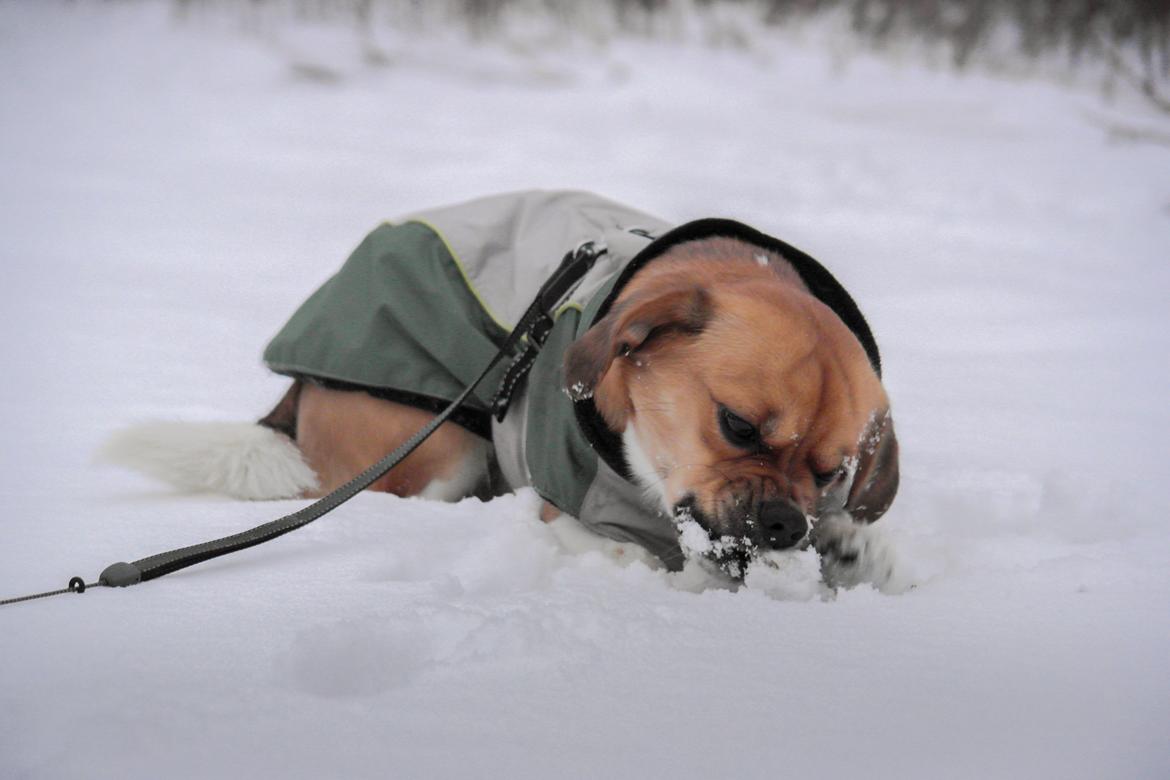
(573, 267)
(76, 585)
(123, 574)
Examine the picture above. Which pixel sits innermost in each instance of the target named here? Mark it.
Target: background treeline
(1131, 37)
(1072, 28)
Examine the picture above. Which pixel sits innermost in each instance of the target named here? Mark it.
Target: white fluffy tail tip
(243, 460)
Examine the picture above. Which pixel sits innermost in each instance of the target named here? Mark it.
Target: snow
(172, 190)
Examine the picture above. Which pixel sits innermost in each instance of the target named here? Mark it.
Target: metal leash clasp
(538, 321)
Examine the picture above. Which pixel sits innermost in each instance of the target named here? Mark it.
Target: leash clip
(574, 265)
(538, 322)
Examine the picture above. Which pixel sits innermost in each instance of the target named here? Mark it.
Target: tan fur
(341, 433)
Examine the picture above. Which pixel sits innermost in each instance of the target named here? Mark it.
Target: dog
(706, 392)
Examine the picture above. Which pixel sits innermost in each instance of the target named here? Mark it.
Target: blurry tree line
(1131, 37)
(1074, 28)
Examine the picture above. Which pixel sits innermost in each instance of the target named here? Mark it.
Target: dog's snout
(782, 523)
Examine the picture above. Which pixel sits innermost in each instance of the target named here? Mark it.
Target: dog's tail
(244, 460)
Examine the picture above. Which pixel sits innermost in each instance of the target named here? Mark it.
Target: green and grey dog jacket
(425, 302)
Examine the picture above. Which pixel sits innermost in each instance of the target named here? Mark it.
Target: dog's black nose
(782, 524)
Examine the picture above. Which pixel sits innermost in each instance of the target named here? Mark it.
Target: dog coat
(425, 302)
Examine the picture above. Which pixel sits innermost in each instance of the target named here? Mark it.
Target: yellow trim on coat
(463, 272)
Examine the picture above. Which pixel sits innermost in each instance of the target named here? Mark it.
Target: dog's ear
(629, 326)
(876, 480)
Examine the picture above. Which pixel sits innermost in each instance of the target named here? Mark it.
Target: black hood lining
(815, 276)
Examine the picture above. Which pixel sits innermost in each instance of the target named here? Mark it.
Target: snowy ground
(171, 192)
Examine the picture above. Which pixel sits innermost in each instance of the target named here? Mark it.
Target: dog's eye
(737, 430)
(825, 478)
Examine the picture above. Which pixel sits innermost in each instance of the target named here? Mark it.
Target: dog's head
(745, 404)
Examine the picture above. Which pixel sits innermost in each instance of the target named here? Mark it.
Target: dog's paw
(853, 554)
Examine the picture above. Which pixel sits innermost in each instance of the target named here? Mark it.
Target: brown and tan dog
(741, 402)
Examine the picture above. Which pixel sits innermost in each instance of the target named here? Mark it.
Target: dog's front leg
(852, 554)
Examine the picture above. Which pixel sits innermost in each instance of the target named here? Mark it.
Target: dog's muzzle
(731, 543)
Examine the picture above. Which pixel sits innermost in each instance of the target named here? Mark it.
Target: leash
(532, 329)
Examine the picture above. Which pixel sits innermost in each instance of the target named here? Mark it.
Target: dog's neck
(643, 473)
